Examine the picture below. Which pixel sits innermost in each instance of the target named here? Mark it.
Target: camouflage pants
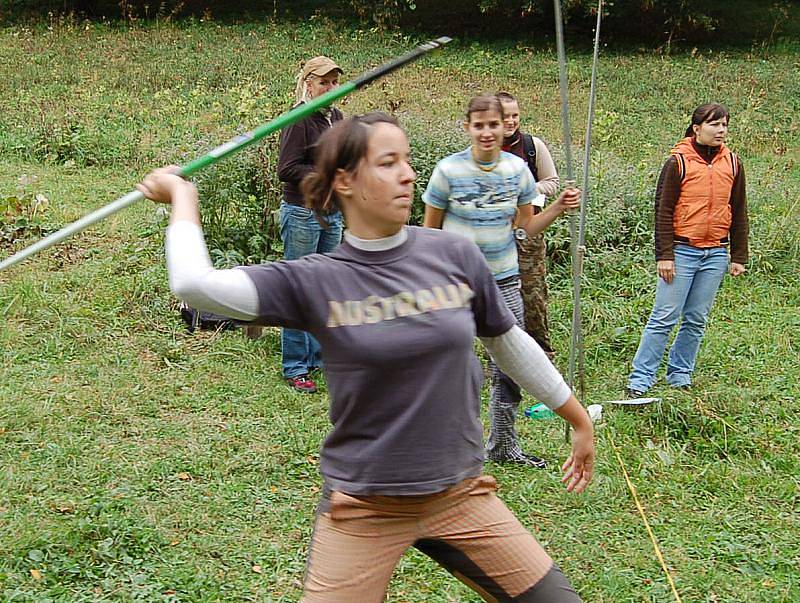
(534, 290)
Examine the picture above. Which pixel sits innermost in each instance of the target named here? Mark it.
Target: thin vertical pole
(585, 204)
(570, 181)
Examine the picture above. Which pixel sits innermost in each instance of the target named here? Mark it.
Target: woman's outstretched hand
(161, 184)
(579, 467)
(166, 186)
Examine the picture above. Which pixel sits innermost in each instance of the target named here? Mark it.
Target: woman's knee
(663, 320)
(552, 588)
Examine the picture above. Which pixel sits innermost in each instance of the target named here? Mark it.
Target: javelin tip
(437, 43)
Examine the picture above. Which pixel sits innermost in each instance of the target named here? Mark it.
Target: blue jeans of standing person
(689, 297)
(303, 235)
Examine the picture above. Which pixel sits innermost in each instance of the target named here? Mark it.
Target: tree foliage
(655, 20)
(649, 18)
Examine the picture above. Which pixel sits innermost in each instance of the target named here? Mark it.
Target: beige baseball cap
(320, 66)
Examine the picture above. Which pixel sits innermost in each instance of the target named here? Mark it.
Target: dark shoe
(630, 394)
(526, 460)
(302, 383)
(534, 461)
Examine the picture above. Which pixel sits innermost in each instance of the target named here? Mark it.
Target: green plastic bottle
(539, 411)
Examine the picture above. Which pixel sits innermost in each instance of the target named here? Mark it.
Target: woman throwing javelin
(394, 308)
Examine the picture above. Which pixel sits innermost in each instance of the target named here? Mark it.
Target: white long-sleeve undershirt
(519, 356)
(193, 278)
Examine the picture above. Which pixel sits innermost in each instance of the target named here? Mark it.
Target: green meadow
(139, 462)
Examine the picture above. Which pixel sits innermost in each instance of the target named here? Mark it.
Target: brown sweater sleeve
(739, 222)
(293, 161)
(667, 192)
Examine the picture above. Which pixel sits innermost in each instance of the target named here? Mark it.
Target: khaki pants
(532, 269)
(358, 541)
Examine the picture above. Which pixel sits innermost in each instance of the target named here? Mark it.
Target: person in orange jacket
(701, 212)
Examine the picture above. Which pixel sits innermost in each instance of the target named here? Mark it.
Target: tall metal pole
(232, 146)
(577, 231)
(570, 180)
(585, 204)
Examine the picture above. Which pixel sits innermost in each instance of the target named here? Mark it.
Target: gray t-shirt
(397, 330)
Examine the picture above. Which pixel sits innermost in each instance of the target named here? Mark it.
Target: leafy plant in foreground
(21, 213)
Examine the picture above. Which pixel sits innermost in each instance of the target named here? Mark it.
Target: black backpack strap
(529, 147)
(734, 165)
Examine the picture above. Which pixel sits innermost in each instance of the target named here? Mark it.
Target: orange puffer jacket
(703, 211)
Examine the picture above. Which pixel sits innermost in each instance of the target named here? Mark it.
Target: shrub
(662, 20)
(240, 198)
(21, 214)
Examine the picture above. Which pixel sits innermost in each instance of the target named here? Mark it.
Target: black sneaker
(526, 460)
(631, 393)
(534, 461)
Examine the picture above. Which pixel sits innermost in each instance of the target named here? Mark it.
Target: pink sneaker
(302, 383)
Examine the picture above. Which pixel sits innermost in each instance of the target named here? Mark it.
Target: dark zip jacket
(296, 156)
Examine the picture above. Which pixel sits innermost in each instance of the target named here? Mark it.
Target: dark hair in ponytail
(341, 147)
(707, 112)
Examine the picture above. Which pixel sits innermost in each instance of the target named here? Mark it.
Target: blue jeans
(698, 275)
(302, 235)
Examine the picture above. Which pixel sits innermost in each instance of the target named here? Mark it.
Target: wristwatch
(520, 234)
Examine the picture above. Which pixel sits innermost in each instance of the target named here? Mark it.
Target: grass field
(138, 462)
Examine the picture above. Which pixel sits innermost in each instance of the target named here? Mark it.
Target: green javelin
(232, 146)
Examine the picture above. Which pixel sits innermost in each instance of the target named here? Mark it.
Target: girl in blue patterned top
(483, 193)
